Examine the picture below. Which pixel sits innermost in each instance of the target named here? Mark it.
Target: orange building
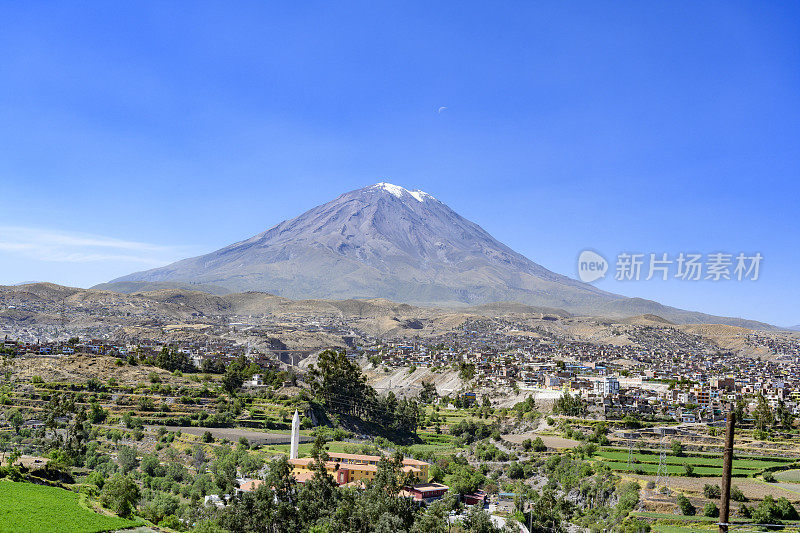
(349, 467)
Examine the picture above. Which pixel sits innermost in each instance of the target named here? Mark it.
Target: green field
(789, 476)
(25, 507)
(652, 469)
(704, 465)
(304, 449)
(670, 523)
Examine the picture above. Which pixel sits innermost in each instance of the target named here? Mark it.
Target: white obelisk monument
(293, 447)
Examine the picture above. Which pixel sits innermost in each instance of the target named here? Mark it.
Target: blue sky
(133, 135)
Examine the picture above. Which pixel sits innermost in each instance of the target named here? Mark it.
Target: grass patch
(668, 528)
(652, 469)
(27, 507)
(667, 516)
(789, 476)
(694, 460)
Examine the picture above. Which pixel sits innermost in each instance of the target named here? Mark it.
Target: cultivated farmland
(26, 507)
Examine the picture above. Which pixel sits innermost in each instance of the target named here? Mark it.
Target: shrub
(97, 479)
(515, 471)
(13, 473)
(172, 521)
(689, 469)
(737, 495)
(685, 506)
(769, 477)
(771, 511)
(786, 509)
(628, 497)
(712, 492)
(710, 509)
(635, 525)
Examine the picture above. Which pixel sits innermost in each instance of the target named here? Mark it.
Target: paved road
(234, 434)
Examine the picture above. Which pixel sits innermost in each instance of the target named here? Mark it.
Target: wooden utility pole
(727, 464)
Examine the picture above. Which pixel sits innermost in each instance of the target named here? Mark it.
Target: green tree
(171, 359)
(786, 509)
(466, 371)
(741, 406)
(212, 366)
(784, 415)
(319, 494)
(126, 458)
(271, 508)
(435, 520)
(546, 513)
(514, 470)
(569, 405)
(223, 468)
(764, 418)
(155, 506)
(677, 448)
(13, 457)
(234, 375)
(97, 414)
(428, 393)
(478, 521)
(151, 466)
(16, 419)
(120, 494)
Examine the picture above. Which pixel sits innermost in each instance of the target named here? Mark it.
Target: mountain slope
(388, 242)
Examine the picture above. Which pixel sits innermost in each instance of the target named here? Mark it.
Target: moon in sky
(441, 109)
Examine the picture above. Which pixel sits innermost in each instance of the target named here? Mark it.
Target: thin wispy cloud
(61, 246)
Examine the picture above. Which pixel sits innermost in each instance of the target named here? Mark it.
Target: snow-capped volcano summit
(399, 191)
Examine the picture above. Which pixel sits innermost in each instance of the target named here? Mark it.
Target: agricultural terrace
(701, 464)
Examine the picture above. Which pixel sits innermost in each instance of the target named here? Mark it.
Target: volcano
(385, 241)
